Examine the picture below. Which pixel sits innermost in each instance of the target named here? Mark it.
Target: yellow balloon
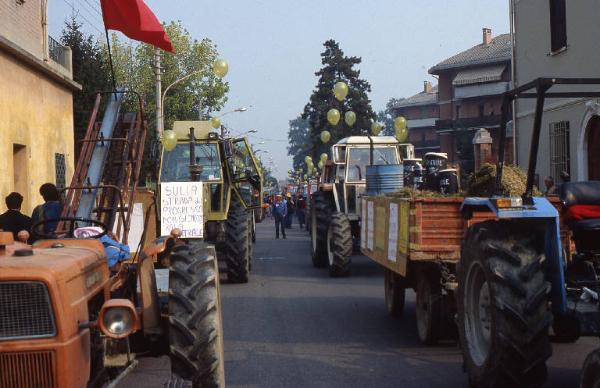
(400, 123)
(340, 90)
(220, 68)
(350, 118)
(375, 128)
(320, 164)
(325, 136)
(402, 135)
(324, 157)
(310, 164)
(333, 116)
(215, 122)
(307, 159)
(169, 140)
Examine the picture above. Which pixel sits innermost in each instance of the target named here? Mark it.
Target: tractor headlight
(118, 318)
(507, 203)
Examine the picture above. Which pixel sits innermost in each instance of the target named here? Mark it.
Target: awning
(479, 75)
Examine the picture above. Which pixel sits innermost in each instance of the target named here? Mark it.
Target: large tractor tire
(395, 293)
(320, 216)
(503, 318)
(237, 240)
(590, 374)
(195, 327)
(339, 245)
(253, 229)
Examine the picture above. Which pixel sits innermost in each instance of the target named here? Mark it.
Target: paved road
(293, 326)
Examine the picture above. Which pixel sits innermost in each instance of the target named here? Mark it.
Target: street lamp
(219, 69)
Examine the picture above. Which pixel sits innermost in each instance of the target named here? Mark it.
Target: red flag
(134, 19)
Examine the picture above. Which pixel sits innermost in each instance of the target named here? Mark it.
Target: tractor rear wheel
(394, 293)
(320, 215)
(195, 325)
(237, 241)
(503, 318)
(339, 245)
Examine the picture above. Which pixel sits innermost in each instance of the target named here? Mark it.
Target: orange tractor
(73, 315)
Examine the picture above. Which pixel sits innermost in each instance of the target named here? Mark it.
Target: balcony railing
(469, 122)
(59, 53)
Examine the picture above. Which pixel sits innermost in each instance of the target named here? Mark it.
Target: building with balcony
(421, 112)
(36, 103)
(469, 97)
(558, 38)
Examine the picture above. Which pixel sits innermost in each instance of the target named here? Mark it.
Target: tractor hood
(65, 263)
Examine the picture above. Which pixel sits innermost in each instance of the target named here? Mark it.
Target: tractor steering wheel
(72, 226)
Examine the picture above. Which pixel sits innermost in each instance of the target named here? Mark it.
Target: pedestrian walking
(550, 187)
(13, 220)
(49, 210)
(279, 211)
(291, 207)
(301, 210)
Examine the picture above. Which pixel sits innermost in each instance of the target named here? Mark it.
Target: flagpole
(112, 69)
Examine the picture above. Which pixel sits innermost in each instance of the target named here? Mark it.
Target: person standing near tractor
(13, 220)
(49, 210)
(279, 211)
(301, 210)
(291, 208)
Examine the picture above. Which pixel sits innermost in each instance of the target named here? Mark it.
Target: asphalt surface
(293, 326)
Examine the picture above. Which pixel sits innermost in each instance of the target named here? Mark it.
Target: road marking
(271, 258)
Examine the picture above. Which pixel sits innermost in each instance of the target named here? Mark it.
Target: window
(176, 163)
(360, 158)
(559, 149)
(60, 170)
(558, 25)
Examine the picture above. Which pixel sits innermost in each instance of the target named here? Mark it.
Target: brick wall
(21, 23)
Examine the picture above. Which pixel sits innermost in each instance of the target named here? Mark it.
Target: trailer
(417, 241)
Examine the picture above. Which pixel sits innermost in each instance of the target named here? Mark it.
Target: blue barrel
(386, 178)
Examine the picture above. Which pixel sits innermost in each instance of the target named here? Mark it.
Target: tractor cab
(348, 172)
(221, 164)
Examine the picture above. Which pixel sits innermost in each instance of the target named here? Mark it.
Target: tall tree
(194, 98)
(386, 117)
(299, 141)
(337, 67)
(90, 69)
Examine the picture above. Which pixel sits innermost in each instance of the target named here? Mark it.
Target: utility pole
(159, 112)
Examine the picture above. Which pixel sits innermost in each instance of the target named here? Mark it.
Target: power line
(94, 7)
(91, 24)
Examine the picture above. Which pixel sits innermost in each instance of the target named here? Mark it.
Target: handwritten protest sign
(181, 207)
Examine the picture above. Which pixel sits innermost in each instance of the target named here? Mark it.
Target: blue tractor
(515, 281)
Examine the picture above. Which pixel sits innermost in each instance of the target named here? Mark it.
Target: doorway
(20, 173)
(593, 148)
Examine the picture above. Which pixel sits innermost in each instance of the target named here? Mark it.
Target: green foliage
(337, 67)
(191, 99)
(299, 141)
(90, 69)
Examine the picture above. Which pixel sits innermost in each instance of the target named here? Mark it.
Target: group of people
(13, 220)
(551, 189)
(284, 209)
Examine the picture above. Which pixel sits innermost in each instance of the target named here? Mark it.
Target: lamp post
(219, 72)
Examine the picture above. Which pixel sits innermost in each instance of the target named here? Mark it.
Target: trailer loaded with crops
(415, 233)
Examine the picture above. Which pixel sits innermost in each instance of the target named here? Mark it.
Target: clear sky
(273, 47)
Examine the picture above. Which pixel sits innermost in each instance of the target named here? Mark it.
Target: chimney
(427, 87)
(487, 36)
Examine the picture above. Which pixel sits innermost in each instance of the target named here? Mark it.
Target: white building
(558, 38)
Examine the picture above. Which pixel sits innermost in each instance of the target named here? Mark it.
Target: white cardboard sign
(393, 232)
(363, 223)
(370, 225)
(181, 207)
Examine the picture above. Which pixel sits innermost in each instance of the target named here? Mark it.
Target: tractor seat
(582, 213)
(580, 193)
